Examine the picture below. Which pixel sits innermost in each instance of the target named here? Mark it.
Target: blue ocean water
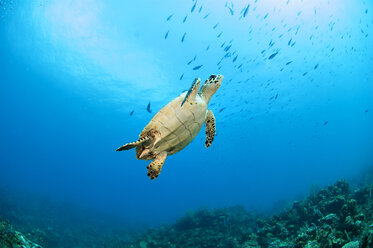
(295, 108)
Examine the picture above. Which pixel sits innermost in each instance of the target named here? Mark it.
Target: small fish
(288, 63)
(276, 96)
(200, 9)
(227, 48)
(215, 25)
(166, 35)
(185, 18)
(266, 16)
(148, 108)
(132, 112)
(194, 6)
(273, 55)
(325, 123)
(227, 55)
(289, 42)
(300, 12)
(181, 77)
(366, 111)
(297, 30)
(182, 38)
(169, 18)
(242, 10)
(219, 34)
(246, 10)
(194, 59)
(221, 110)
(206, 16)
(293, 44)
(235, 58)
(315, 67)
(208, 47)
(231, 10)
(304, 74)
(197, 67)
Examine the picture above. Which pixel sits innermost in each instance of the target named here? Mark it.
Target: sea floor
(338, 215)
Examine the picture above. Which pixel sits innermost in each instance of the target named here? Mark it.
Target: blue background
(72, 71)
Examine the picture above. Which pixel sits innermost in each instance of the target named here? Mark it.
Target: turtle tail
(131, 145)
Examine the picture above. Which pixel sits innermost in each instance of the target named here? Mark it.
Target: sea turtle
(176, 125)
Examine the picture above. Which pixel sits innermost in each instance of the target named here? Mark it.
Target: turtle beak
(219, 78)
(216, 78)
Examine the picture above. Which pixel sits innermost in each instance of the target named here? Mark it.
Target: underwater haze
(81, 78)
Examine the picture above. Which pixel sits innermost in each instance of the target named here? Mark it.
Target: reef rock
(9, 238)
(352, 244)
(334, 217)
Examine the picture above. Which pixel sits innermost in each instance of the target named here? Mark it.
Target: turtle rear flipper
(155, 167)
(133, 144)
(192, 92)
(210, 128)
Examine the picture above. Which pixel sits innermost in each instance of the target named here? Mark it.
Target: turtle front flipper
(155, 167)
(133, 144)
(210, 128)
(192, 92)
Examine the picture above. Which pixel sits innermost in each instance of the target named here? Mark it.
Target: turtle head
(210, 86)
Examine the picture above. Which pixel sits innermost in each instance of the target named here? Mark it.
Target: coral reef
(337, 216)
(333, 217)
(225, 227)
(9, 238)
